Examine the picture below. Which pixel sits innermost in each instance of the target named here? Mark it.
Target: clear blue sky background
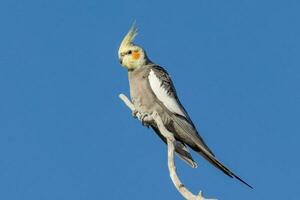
(64, 134)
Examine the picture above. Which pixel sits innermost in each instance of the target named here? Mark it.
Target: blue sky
(64, 134)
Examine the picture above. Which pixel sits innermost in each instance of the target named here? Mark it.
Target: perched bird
(151, 89)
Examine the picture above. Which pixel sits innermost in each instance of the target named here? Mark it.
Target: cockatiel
(151, 89)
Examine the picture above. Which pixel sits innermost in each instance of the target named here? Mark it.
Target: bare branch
(171, 149)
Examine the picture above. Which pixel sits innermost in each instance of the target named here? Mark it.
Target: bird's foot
(135, 113)
(145, 118)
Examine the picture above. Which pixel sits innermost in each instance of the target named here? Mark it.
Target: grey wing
(183, 127)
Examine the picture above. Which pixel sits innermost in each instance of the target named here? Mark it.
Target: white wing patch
(162, 95)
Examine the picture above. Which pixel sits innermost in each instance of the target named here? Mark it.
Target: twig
(171, 149)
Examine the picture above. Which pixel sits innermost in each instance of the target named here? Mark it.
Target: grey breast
(140, 91)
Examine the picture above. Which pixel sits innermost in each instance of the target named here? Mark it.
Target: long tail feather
(224, 169)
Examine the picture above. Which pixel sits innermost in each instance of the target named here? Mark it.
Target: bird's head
(131, 56)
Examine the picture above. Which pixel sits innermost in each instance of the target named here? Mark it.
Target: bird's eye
(129, 52)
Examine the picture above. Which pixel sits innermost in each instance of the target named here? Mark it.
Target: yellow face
(132, 57)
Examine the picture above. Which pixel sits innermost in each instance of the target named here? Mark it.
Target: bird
(152, 90)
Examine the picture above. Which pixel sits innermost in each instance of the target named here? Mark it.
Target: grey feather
(175, 119)
(182, 125)
(180, 148)
(183, 128)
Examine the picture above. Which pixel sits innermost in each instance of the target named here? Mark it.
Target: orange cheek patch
(136, 55)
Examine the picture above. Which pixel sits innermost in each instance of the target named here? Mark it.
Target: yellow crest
(128, 39)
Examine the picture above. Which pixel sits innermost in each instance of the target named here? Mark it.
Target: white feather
(161, 93)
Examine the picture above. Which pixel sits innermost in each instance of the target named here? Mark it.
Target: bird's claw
(135, 113)
(145, 118)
